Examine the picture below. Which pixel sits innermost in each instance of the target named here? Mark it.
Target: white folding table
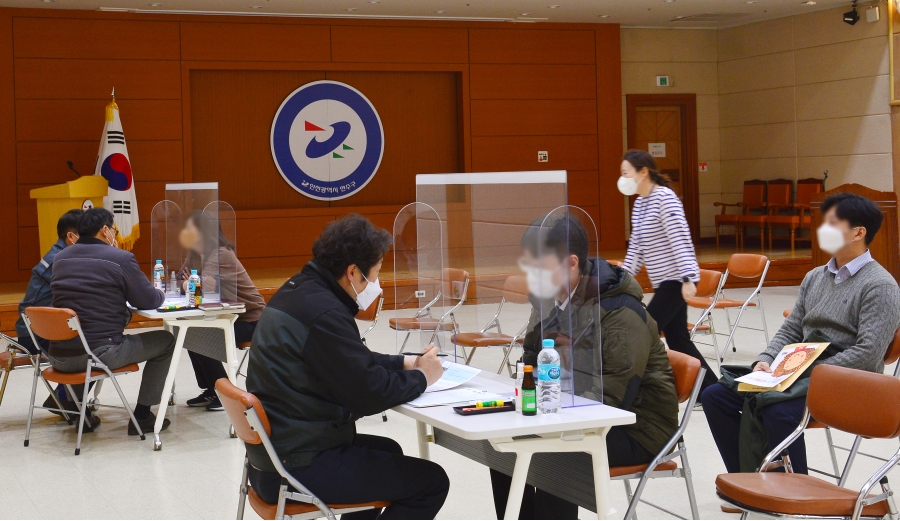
(185, 320)
(574, 429)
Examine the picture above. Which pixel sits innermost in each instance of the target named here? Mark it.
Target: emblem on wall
(327, 140)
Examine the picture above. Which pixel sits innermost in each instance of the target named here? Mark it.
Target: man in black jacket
(315, 378)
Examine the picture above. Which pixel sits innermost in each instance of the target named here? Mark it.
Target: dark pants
(537, 504)
(154, 347)
(208, 370)
(669, 310)
(372, 469)
(723, 413)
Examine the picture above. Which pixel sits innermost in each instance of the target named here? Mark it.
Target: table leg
(517, 487)
(230, 359)
(170, 380)
(424, 438)
(600, 460)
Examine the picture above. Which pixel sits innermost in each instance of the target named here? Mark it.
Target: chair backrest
(747, 265)
(236, 401)
(893, 351)
(370, 314)
(754, 193)
(855, 401)
(51, 323)
(807, 188)
(454, 282)
(709, 283)
(780, 192)
(685, 368)
(515, 289)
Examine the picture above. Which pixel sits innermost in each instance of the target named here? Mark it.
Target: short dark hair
(93, 220)
(563, 235)
(68, 223)
(856, 210)
(351, 240)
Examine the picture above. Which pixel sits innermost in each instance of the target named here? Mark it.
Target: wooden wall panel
(82, 120)
(583, 185)
(609, 137)
(255, 42)
(498, 154)
(28, 245)
(97, 39)
(94, 79)
(533, 82)
(534, 117)
(9, 261)
(531, 46)
(399, 44)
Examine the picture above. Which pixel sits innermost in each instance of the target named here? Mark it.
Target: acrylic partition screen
(420, 300)
(485, 216)
(219, 262)
(567, 277)
(166, 222)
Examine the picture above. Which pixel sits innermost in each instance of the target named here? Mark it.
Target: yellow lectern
(53, 201)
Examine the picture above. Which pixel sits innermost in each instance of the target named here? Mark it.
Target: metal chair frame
(862, 500)
(494, 323)
(93, 362)
(707, 317)
(667, 454)
(425, 312)
(35, 364)
(374, 320)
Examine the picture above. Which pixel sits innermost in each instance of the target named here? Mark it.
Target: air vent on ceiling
(712, 17)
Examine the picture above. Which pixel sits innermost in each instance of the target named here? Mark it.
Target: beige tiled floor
(196, 475)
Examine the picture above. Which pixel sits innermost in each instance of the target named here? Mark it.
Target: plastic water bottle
(159, 276)
(173, 284)
(548, 385)
(194, 294)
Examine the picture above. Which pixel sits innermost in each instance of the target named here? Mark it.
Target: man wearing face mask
(315, 378)
(609, 347)
(96, 279)
(852, 301)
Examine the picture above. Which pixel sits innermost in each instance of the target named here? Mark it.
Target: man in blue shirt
(38, 292)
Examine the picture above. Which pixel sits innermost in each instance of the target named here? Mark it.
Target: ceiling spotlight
(670, 1)
(851, 17)
(374, 1)
(604, 16)
(156, 4)
(252, 6)
(524, 14)
(809, 2)
(751, 1)
(440, 12)
(554, 6)
(351, 9)
(48, 1)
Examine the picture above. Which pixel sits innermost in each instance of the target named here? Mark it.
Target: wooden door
(666, 126)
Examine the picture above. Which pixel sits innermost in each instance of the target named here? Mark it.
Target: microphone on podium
(72, 168)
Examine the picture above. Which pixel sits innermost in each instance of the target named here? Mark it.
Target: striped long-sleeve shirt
(660, 239)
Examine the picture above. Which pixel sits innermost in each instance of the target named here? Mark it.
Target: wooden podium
(53, 201)
(886, 247)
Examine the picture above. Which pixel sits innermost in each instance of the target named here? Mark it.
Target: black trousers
(208, 370)
(669, 310)
(537, 504)
(723, 407)
(372, 469)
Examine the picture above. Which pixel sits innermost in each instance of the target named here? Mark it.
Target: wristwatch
(685, 280)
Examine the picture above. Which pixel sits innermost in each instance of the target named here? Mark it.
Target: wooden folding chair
(846, 399)
(252, 425)
(688, 378)
(57, 325)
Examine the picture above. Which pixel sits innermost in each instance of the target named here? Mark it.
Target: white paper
(764, 379)
(454, 376)
(462, 396)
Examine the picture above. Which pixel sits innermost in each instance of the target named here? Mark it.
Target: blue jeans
(723, 413)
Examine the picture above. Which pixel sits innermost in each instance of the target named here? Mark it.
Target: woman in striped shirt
(661, 241)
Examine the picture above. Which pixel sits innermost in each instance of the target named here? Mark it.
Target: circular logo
(87, 204)
(327, 140)
(117, 171)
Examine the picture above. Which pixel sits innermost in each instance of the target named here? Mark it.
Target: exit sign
(663, 81)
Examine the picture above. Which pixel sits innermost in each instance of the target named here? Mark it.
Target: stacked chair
(794, 215)
(753, 212)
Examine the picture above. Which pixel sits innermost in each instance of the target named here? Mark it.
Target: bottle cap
(548, 343)
(193, 272)
(159, 261)
(528, 369)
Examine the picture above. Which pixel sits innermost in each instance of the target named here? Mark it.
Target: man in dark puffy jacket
(609, 347)
(315, 378)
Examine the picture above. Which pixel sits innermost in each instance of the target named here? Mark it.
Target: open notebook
(787, 367)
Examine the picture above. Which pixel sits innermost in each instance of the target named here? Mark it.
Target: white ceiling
(656, 13)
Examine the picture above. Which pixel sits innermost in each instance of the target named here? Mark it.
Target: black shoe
(50, 404)
(203, 400)
(91, 421)
(146, 425)
(215, 405)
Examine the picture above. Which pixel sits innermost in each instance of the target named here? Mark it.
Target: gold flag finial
(112, 105)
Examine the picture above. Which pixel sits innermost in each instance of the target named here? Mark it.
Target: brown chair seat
(727, 219)
(243, 345)
(267, 510)
(628, 470)
(415, 324)
(722, 303)
(18, 361)
(783, 219)
(52, 375)
(701, 327)
(793, 494)
(483, 339)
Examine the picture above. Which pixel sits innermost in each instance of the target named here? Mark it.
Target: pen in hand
(420, 354)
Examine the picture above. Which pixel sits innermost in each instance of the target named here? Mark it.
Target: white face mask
(368, 295)
(541, 283)
(627, 185)
(831, 239)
